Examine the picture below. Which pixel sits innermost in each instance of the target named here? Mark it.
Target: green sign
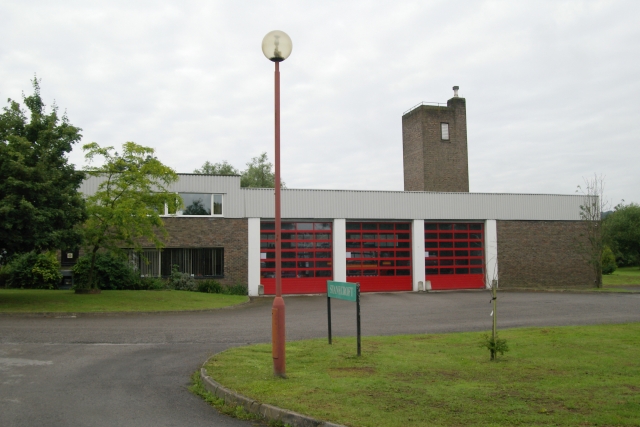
(341, 290)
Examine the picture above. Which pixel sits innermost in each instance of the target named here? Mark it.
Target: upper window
(199, 204)
(444, 130)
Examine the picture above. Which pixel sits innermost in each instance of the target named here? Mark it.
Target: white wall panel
(417, 254)
(491, 251)
(253, 250)
(339, 233)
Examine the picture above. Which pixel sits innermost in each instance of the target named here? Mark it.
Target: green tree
(127, 206)
(39, 199)
(623, 232)
(608, 261)
(259, 173)
(222, 168)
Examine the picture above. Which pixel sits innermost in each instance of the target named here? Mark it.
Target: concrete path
(133, 370)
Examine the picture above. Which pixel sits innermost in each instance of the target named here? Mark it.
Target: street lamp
(277, 46)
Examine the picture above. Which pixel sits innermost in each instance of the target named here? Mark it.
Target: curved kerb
(269, 412)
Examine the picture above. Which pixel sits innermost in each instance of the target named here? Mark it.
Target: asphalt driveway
(134, 369)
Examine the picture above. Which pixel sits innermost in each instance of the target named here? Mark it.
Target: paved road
(133, 370)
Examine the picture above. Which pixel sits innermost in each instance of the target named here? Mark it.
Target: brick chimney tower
(434, 146)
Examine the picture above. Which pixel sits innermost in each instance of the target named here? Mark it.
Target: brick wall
(439, 165)
(413, 151)
(542, 254)
(230, 234)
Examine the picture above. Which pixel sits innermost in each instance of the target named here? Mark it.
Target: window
(444, 130)
(68, 257)
(146, 262)
(199, 204)
(198, 262)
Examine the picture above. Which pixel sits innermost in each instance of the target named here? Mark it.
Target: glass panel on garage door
(306, 257)
(454, 255)
(379, 255)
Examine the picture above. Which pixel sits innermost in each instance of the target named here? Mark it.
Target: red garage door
(454, 255)
(306, 257)
(379, 255)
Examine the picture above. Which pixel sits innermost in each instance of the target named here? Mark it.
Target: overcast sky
(552, 88)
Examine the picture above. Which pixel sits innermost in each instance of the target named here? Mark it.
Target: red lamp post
(277, 46)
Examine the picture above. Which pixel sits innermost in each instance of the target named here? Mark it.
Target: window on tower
(444, 130)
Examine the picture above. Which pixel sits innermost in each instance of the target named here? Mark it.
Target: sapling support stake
(494, 332)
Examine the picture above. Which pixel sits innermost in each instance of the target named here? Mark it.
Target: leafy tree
(623, 232)
(592, 244)
(39, 199)
(127, 206)
(259, 173)
(223, 168)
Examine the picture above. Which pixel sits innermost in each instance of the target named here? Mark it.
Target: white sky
(552, 87)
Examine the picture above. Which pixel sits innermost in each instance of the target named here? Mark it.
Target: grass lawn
(564, 376)
(45, 301)
(622, 276)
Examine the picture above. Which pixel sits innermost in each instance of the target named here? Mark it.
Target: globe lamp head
(277, 46)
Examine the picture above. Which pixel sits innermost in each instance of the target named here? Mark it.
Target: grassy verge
(564, 376)
(44, 301)
(622, 276)
(198, 389)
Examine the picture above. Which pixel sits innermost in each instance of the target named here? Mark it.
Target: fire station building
(435, 235)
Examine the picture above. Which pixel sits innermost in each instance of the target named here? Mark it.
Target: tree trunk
(599, 247)
(92, 269)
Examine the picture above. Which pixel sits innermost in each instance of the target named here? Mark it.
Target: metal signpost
(345, 291)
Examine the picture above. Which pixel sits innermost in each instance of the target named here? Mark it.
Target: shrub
(626, 259)
(33, 271)
(4, 276)
(608, 261)
(494, 347)
(209, 286)
(181, 281)
(237, 290)
(112, 272)
(153, 284)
